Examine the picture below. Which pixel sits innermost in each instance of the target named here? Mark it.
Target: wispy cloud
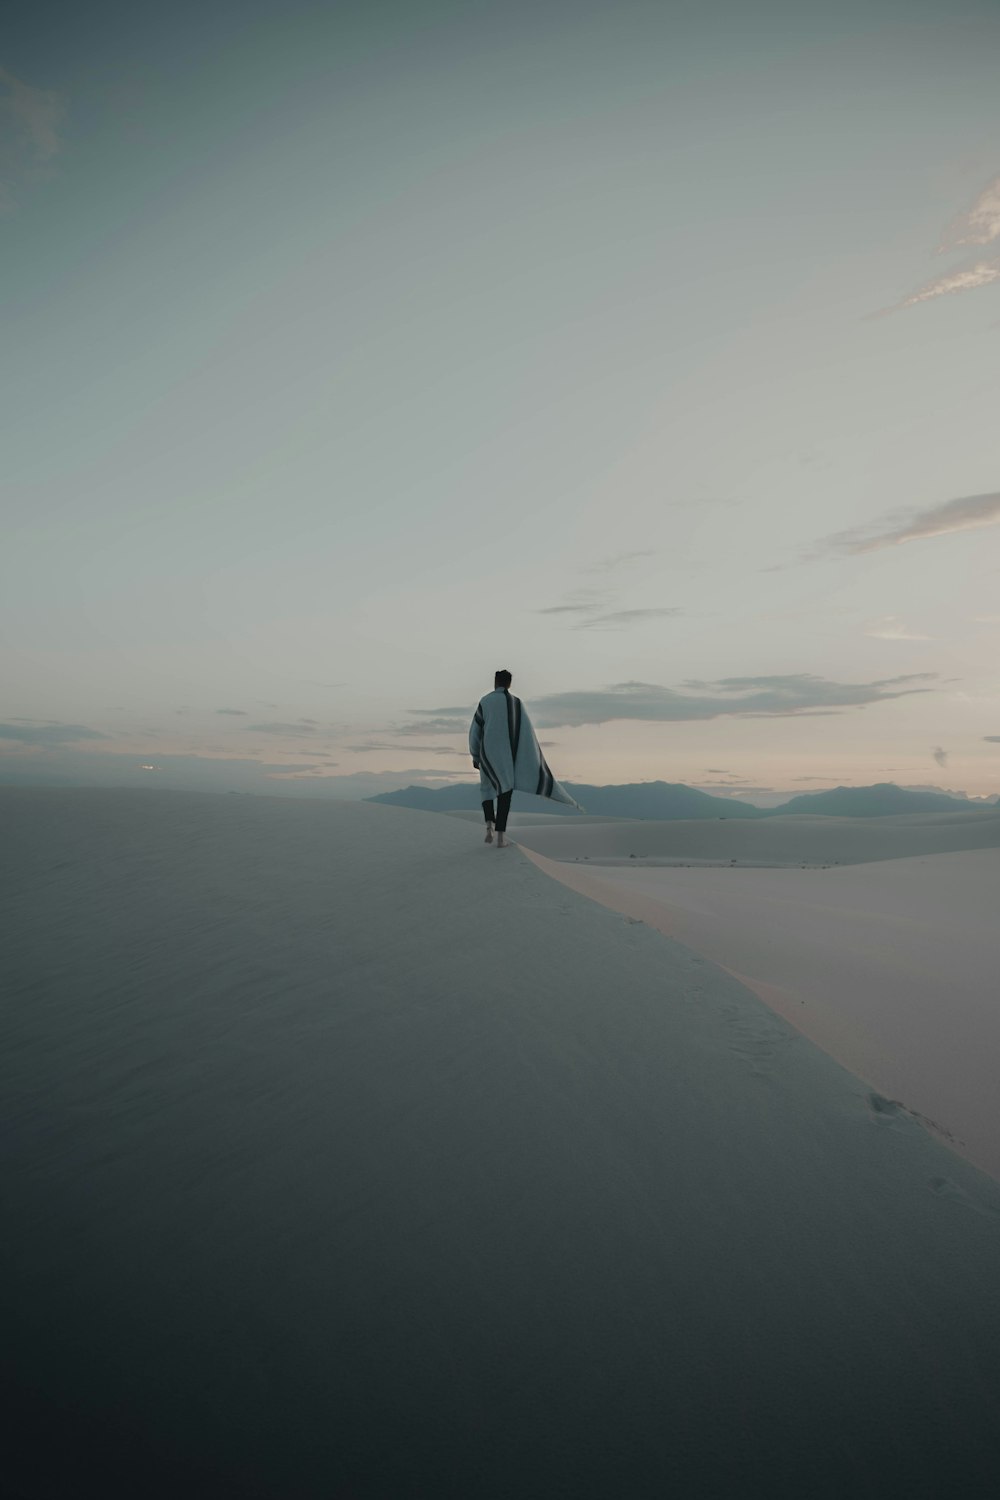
(580, 601)
(774, 696)
(281, 769)
(940, 756)
(293, 729)
(888, 628)
(621, 618)
(963, 279)
(992, 739)
(238, 712)
(452, 709)
(978, 225)
(592, 605)
(49, 734)
(968, 513)
(437, 721)
(410, 749)
(618, 560)
(29, 133)
(564, 609)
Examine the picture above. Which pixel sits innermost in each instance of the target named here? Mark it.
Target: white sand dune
(791, 840)
(892, 967)
(345, 1155)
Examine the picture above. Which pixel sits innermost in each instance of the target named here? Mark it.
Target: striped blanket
(506, 752)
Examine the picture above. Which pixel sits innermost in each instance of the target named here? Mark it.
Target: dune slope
(893, 967)
(348, 1156)
(796, 840)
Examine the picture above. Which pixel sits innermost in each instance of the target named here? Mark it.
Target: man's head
(501, 679)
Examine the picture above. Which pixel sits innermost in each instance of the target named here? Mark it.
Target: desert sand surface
(892, 967)
(347, 1156)
(793, 840)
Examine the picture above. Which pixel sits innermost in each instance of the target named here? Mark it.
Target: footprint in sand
(885, 1111)
(943, 1187)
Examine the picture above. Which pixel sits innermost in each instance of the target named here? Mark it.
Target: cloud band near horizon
(743, 697)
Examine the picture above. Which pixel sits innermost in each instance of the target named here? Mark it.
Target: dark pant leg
(488, 810)
(503, 808)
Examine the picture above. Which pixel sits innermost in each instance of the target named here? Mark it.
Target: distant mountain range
(879, 801)
(665, 801)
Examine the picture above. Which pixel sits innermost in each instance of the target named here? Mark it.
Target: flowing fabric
(505, 748)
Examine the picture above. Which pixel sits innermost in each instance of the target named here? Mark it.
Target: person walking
(506, 753)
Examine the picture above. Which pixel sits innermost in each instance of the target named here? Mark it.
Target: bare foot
(489, 833)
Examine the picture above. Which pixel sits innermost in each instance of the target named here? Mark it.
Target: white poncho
(504, 747)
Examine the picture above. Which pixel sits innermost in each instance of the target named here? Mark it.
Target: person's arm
(476, 736)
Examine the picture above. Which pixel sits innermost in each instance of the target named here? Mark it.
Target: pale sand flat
(342, 1162)
(892, 967)
(767, 841)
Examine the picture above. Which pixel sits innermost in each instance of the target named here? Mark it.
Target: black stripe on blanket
(489, 771)
(513, 725)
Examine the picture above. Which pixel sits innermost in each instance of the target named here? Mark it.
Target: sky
(648, 350)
